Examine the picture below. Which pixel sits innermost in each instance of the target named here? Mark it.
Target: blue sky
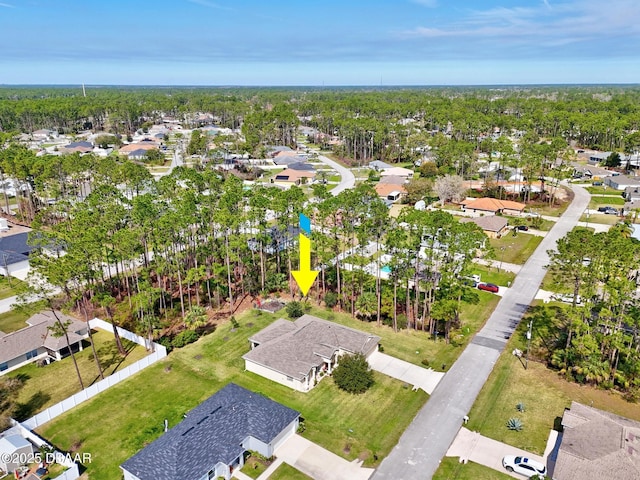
(319, 42)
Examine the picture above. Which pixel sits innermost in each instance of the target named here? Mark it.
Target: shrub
(166, 343)
(294, 309)
(353, 374)
(520, 407)
(514, 424)
(331, 299)
(184, 338)
(425, 362)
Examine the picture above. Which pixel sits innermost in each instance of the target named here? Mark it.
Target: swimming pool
(386, 269)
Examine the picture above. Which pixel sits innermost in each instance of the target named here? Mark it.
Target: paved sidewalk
(507, 267)
(425, 378)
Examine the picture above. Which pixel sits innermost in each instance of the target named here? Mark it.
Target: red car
(488, 287)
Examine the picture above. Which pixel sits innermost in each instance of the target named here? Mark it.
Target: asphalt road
(421, 447)
(347, 178)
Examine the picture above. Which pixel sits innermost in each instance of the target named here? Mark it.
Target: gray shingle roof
(596, 445)
(14, 249)
(212, 432)
(491, 223)
(36, 335)
(294, 350)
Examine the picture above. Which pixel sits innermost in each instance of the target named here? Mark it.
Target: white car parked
(524, 466)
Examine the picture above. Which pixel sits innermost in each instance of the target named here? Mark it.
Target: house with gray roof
(37, 342)
(298, 354)
(213, 437)
(597, 444)
(14, 253)
(622, 182)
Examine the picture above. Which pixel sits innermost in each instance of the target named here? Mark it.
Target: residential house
(213, 438)
(132, 147)
(44, 134)
(138, 154)
(397, 171)
(288, 158)
(389, 191)
(302, 166)
(393, 180)
(13, 448)
(298, 354)
(297, 177)
(493, 205)
(14, 253)
(597, 444)
(277, 240)
(379, 165)
(77, 147)
(631, 193)
(622, 182)
(493, 225)
(598, 157)
(37, 342)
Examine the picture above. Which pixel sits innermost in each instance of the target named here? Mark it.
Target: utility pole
(526, 361)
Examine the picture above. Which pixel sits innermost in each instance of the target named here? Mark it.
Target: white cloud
(6, 5)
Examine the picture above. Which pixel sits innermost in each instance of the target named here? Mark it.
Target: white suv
(524, 466)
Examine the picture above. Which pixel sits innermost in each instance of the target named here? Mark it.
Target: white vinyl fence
(50, 413)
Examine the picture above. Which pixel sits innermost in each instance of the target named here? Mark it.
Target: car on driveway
(488, 287)
(524, 228)
(524, 466)
(608, 210)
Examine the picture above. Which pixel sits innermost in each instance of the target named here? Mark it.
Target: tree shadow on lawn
(33, 405)
(109, 357)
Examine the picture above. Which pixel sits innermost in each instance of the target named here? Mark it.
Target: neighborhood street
(347, 178)
(418, 453)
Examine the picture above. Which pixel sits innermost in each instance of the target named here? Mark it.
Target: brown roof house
(492, 225)
(292, 176)
(36, 341)
(597, 445)
(390, 191)
(493, 205)
(298, 354)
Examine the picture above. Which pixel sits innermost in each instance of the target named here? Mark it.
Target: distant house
(597, 444)
(277, 240)
(631, 194)
(139, 154)
(398, 172)
(494, 226)
(44, 133)
(298, 354)
(622, 182)
(132, 147)
(14, 253)
(213, 438)
(36, 341)
(288, 158)
(493, 205)
(302, 166)
(598, 157)
(379, 165)
(77, 147)
(390, 191)
(296, 177)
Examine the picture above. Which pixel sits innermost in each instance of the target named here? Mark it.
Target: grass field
(600, 218)
(544, 393)
(15, 319)
(172, 387)
(492, 275)
(287, 472)
(451, 469)
(517, 249)
(8, 287)
(603, 191)
(606, 201)
(46, 386)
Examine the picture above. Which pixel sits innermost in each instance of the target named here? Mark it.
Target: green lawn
(492, 275)
(517, 249)
(603, 190)
(451, 469)
(15, 319)
(8, 286)
(172, 387)
(48, 385)
(603, 201)
(600, 218)
(544, 393)
(287, 472)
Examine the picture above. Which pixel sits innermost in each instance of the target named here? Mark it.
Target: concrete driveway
(318, 463)
(472, 446)
(426, 379)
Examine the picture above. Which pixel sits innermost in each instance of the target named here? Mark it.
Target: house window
(4, 366)
(32, 354)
